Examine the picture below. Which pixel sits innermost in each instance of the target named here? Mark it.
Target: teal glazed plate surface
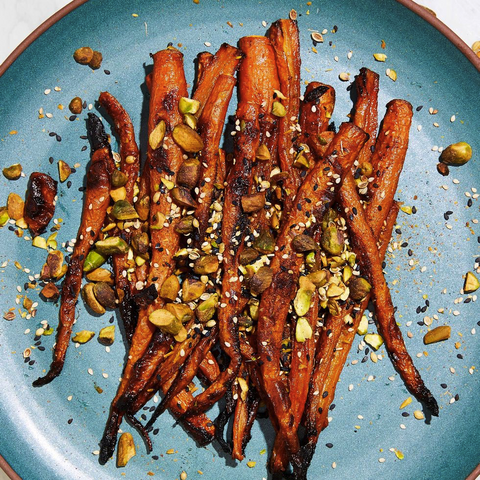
(53, 432)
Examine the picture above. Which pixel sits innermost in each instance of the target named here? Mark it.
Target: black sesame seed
(320, 410)
(325, 394)
(69, 421)
(84, 137)
(41, 348)
(155, 432)
(367, 351)
(405, 414)
(329, 445)
(443, 385)
(50, 160)
(31, 362)
(72, 118)
(404, 244)
(51, 134)
(457, 397)
(155, 457)
(364, 359)
(84, 148)
(470, 202)
(69, 184)
(419, 108)
(410, 252)
(332, 407)
(460, 356)
(107, 72)
(446, 216)
(419, 308)
(58, 138)
(467, 300)
(414, 209)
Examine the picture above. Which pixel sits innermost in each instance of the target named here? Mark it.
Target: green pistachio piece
(332, 240)
(190, 120)
(303, 298)
(104, 294)
(91, 300)
(111, 246)
(183, 312)
(156, 136)
(189, 173)
(278, 109)
(253, 306)
(363, 325)
(359, 288)
(165, 321)
(107, 335)
(304, 243)
(329, 217)
(471, 283)
(4, 218)
(142, 206)
(206, 310)
(188, 105)
(456, 154)
(119, 179)
(13, 172)
(260, 280)
(122, 210)
(253, 202)
(187, 138)
(83, 336)
(374, 340)
(185, 225)
(192, 289)
(264, 243)
(94, 260)
(438, 334)
(206, 265)
(170, 288)
(262, 153)
(319, 278)
(248, 255)
(64, 170)
(182, 197)
(303, 330)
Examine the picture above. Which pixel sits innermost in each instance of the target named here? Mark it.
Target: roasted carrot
(313, 198)
(284, 36)
(168, 86)
(365, 247)
(129, 165)
(225, 61)
(97, 199)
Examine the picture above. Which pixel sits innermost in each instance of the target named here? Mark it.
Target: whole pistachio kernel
(13, 172)
(304, 243)
(456, 154)
(83, 336)
(165, 321)
(332, 240)
(303, 330)
(206, 310)
(119, 179)
(106, 336)
(187, 138)
(359, 288)
(438, 334)
(278, 109)
(122, 210)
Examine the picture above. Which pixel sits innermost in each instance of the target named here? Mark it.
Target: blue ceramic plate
(52, 432)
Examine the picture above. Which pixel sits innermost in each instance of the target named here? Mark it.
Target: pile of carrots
(259, 264)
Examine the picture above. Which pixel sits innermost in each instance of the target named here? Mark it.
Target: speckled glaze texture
(36, 437)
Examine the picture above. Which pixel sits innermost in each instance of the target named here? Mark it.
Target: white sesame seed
(419, 128)
(452, 118)
(402, 426)
(207, 44)
(90, 371)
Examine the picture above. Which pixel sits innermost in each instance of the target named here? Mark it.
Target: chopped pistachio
(107, 335)
(438, 334)
(301, 161)
(140, 242)
(363, 325)
(111, 246)
(262, 153)
(319, 278)
(142, 206)
(50, 292)
(456, 154)
(329, 217)
(13, 172)
(156, 136)
(100, 275)
(4, 218)
(158, 221)
(181, 336)
(187, 138)
(15, 206)
(83, 336)
(94, 260)
(206, 310)
(183, 312)
(264, 243)
(374, 340)
(189, 173)
(104, 294)
(261, 280)
(253, 307)
(391, 74)
(303, 330)
(64, 170)
(366, 168)
(190, 120)
(206, 265)
(182, 197)
(119, 179)
(166, 321)
(278, 109)
(188, 105)
(55, 263)
(346, 273)
(248, 255)
(126, 449)
(332, 240)
(359, 288)
(471, 283)
(253, 202)
(170, 288)
(118, 194)
(304, 243)
(303, 298)
(185, 225)
(91, 300)
(122, 210)
(192, 289)
(39, 242)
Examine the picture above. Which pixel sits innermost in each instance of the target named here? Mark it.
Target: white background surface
(19, 18)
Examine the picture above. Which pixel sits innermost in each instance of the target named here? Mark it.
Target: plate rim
(418, 9)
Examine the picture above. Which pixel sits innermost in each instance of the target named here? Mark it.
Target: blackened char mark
(315, 94)
(96, 133)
